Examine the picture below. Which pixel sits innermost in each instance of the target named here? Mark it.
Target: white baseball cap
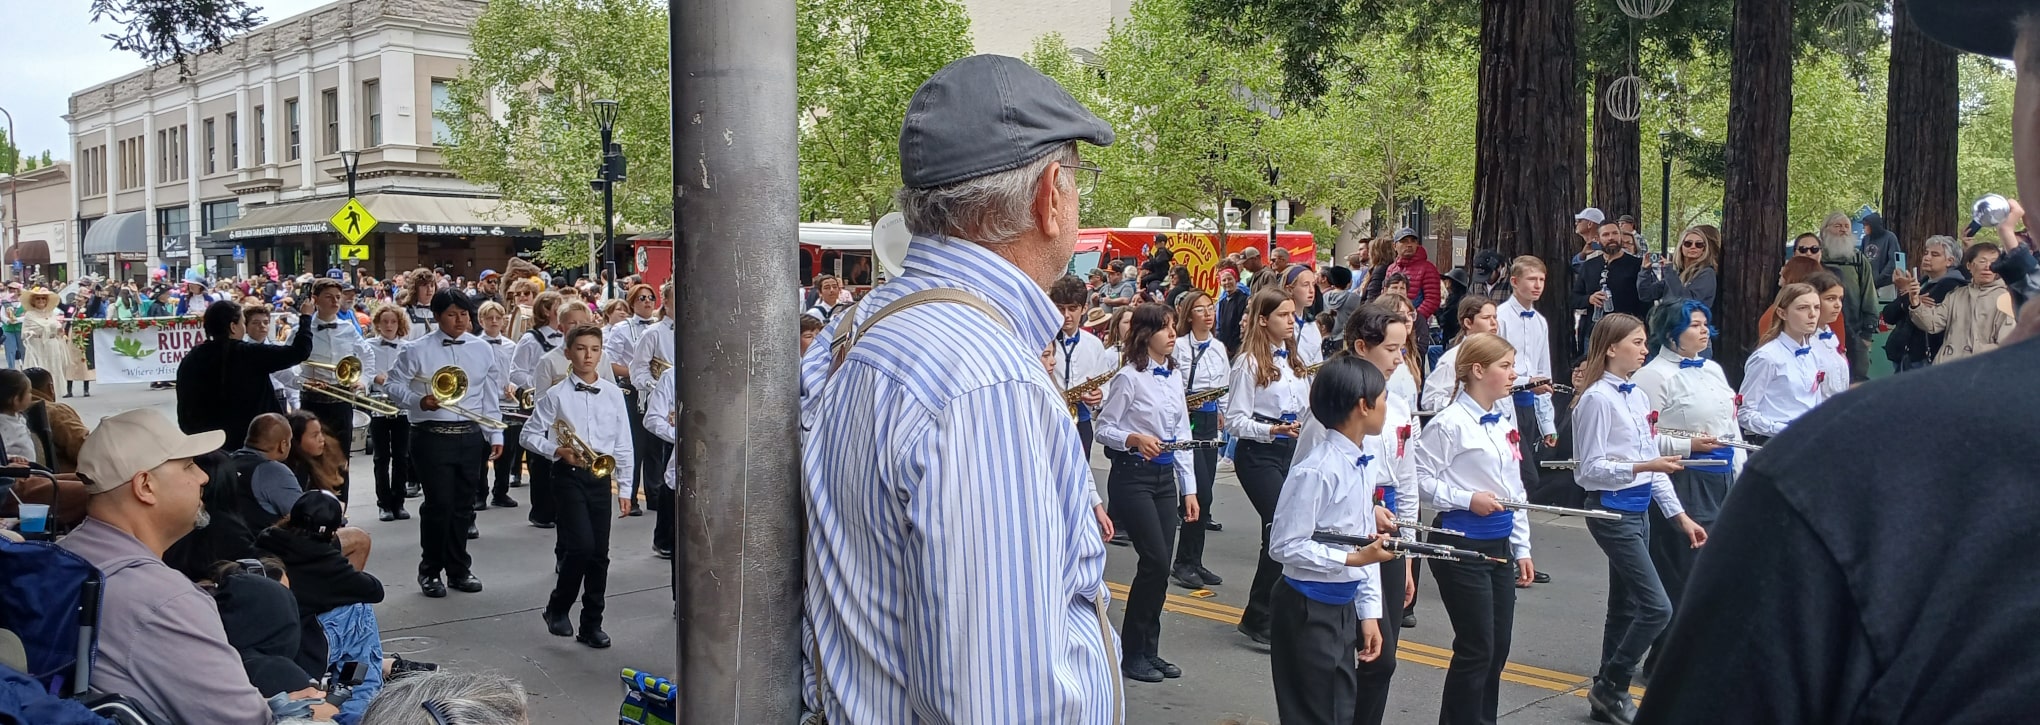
(135, 441)
(1590, 214)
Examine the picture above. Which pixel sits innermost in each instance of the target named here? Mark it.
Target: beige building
(1009, 27)
(44, 199)
(242, 157)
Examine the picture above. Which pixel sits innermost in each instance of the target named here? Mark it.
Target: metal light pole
(737, 206)
(1664, 224)
(13, 191)
(351, 161)
(608, 173)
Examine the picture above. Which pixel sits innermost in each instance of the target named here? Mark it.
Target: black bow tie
(386, 343)
(451, 342)
(641, 321)
(552, 334)
(586, 388)
(327, 326)
(494, 342)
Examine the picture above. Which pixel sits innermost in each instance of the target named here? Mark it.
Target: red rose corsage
(1738, 402)
(1515, 438)
(1402, 439)
(1515, 445)
(1653, 422)
(1819, 376)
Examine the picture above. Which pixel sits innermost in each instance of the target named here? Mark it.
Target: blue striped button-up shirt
(953, 560)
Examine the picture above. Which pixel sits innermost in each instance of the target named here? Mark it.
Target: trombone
(347, 373)
(449, 384)
(600, 464)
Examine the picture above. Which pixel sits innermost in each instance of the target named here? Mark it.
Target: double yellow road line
(1406, 650)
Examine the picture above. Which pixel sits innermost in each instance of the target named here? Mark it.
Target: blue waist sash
(1497, 525)
(1388, 498)
(1209, 406)
(1083, 412)
(1336, 594)
(1525, 399)
(1167, 458)
(1723, 457)
(1633, 499)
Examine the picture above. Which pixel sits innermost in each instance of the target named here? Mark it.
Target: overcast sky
(52, 48)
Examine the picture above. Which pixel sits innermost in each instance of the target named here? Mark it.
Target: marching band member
(1079, 354)
(389, 436)
(1202, 360)
(1301, 284)
(555, 366)
(591, 404)
(655, 342)
(334, 337)
(1263, 412)
(1313, 607)
(523, 293)
(1376, 334)
(542, 338)
(420, 287)
(1828, 349)
(1144, 411)
(255, 319)
(1691, 394)
(1615, 438)
(1048, 355)
(619, 343)
(449, 451)
(1477, 315)
(1407, 381)
(495, 322)
(1783, 379)
(1526, 330)
(661, 418)
(1466, 462)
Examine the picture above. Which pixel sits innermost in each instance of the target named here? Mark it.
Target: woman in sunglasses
(1688, 275)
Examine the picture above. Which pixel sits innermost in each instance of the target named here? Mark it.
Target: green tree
(1984, 145)
(523, 118)
(860, 62)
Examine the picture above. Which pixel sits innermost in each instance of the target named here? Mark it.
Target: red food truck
(843, 250)
(1196, 249)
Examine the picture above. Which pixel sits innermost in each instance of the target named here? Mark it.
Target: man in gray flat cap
(955, 568)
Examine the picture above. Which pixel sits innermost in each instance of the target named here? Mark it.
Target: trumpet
(1075, 394)
(1677, 433)
(1413, 549)
(521, 403)
(347, 373)
(659, 367)
(449, 385)
(1200, 397)
(600, 464)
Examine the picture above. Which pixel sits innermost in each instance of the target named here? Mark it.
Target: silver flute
(1414, 526)
(1560, 510)
(1678, 433)
(1571, 465)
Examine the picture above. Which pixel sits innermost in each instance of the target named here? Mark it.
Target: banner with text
(147, 354)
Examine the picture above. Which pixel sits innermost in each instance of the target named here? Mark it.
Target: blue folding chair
(51, 602)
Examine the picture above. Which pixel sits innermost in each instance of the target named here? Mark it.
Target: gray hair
(995, 208)
(466, 698)
(1947, 244)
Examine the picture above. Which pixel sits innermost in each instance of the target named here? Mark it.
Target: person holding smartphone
(1909, 347)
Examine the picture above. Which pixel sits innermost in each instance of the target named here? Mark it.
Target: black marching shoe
(541, 524)
(481, 504)
(503, 502)
(637, 511)
(473, 533)
(1141, 669)
(1409, 619)
(1259, 637)
(468, 584)
(1168, 670)
(1120, 538)
(1211, 524)
(1187, 578)
(662, 552)
(593, 637)
(1610, 705)
(432, 585)
(413, 490)
(385, 515)
(403, 515)
(1210, 579)
(557, 624)
(1541, 578)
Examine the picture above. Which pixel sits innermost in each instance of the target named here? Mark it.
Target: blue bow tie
(1491, 418)
(1527, 314)
(1161, 371)
(1801, 352)
(1625, 388)
(1282, 354)
(1827, 334)
(1362, 461)
(1203, 345)
(1694, 363)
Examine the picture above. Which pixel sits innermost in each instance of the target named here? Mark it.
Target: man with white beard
(1859, 290)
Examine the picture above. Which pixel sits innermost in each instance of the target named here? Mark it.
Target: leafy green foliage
(860, 62)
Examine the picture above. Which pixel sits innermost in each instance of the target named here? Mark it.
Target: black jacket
(1229, 314)
(322, 580)
(1621, 289)
(223, 384)
(1909, 343)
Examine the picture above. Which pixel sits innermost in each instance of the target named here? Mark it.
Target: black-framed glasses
(1806, 250)
(647, 298)
(1086, 183)
(1693, 244)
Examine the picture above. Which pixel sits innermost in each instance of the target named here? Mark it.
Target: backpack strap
(851, 329)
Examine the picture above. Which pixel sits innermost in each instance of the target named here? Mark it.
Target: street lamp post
(1664, 224)
(608, 173)
(350, 161)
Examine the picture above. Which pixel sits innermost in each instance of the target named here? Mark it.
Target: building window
(173, 220)
(92, 171)
(290, 126)
(212, 150)
(162, 155)
(233, 142)
(442, 104)
(171, 158)
(219, 214)
(329, 102)
(130, 163)
(261, 136)
(371, 109)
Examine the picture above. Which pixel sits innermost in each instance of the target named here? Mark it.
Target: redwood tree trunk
(1759, 138)
(1919, 136)
(1528, 142)
(1616, 149)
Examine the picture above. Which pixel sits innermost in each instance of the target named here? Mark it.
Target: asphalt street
(1557, 628)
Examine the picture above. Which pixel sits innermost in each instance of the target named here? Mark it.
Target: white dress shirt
(1402, 383)
(1080, 357)
(619, 341)
(506, 352)
(1289, 394)
(524, 359)
(655, 341)
(599, 417)
(657, 407)
(1611, 433)
(385, 350)
(1332, 490)
(1781, 381)
(1458, 456)
(411, 379)
(334, 338)
(554, 368)
(1828, 353)
(1203, 365)
(1691, 397)
(285, 381)
(1394, 451)
(1149, 402)
(1310, 344)
(1531, 336)
(422, 321)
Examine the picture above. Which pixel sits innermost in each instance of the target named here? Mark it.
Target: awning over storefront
(394, 213)
(123, 233)
(34, 251)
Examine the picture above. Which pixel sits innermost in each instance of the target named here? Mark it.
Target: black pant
(1311, 657)
(640, 440)
(657, 495)
(584, 518)
(391, 439)
(1528, 439)
(337, 418)
(1481, 600)
(1371, 702)
(1702, 492)
(538, 487)
(1190, 542)
(451, 467)
(1262, 468)
(505, 466)
(1145, 496)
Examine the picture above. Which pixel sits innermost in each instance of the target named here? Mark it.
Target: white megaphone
(889, 239)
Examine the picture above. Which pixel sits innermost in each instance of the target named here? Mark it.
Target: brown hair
(1483, 349)
(1469, 308)
(1260, 343)
(409, 294)
(1786, 296)
(320, 285)
(1712, 237)
(1610, 330)
(403, 320)
(643, 288)
(1798, 268)
(1524, 265)
(1185, 306)
(544, 307)
(1412, 357)
(581, 331)
(1381, 252)
(1147, 320)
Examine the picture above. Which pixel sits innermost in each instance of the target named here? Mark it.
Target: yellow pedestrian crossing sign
(353, 221)
(354, 252)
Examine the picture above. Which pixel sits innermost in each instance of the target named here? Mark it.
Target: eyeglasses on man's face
(1086, 182)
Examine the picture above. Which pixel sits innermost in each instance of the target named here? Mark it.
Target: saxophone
(1078, 391)
(1200, 397)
